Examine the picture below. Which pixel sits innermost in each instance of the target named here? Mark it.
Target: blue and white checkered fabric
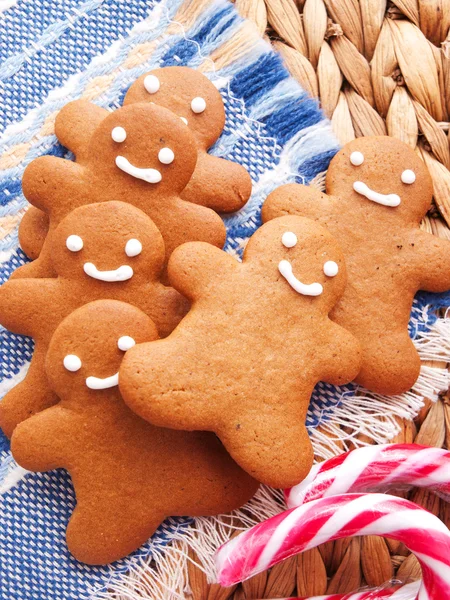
(53, 52)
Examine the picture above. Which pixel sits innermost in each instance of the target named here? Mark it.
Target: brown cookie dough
(128, 475)
(106, 250)
(141, 153)
(244, 361)
(378, 191)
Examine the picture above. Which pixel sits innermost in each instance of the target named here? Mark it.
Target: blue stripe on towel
(24, 24)
(258, 79)
(28, 76)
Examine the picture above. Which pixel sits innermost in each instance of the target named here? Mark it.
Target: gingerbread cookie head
(87, 348)
(382, 172)
(188, 94)
(148, 145)
(301, 257)
(112, 242)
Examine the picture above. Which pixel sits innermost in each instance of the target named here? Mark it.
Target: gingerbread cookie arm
(199, 224)
(33, 230)
(431, 254)
(295, 199)
(30, 396)
(24, 302)
(75, 124)
(219, 184)
(48, 181)
(40, 443)
(341, 358)
(195, 268)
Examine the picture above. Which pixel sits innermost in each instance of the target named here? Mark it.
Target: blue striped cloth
(52, 52)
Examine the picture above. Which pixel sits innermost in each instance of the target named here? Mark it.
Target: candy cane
(326, 519)
(406, 592)
(376, 468)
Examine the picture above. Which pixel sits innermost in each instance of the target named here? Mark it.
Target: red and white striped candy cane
(326, 519)
(405, 592)
(375, 468)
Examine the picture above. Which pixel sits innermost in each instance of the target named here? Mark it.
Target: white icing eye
(72, 363)
(133, 247)
(330, 268)
(185, 121)
(151, 84)
(119, 134)
(166, 156)
(408, 176)
(125, 342)
(198, 105)
(357, 158)
(289, 239)
(74, 243)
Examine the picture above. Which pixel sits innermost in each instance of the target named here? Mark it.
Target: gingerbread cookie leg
(342, 360)
(92, 536)
(255, 442)
(390, 363)
(33, 230)
(219, 184)
(30, 396)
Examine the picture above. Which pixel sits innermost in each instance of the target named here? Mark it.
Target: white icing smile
(148, 175)
(97, 383)
(311, 289)
(384, 199)
(120, 274)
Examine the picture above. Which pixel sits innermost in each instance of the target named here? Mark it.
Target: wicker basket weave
(378, 68)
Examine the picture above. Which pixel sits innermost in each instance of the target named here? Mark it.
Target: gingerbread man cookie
(141, 153)
(105, 250)
(128, 475)
(378, 191)
(244, 361)
(216, 183)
